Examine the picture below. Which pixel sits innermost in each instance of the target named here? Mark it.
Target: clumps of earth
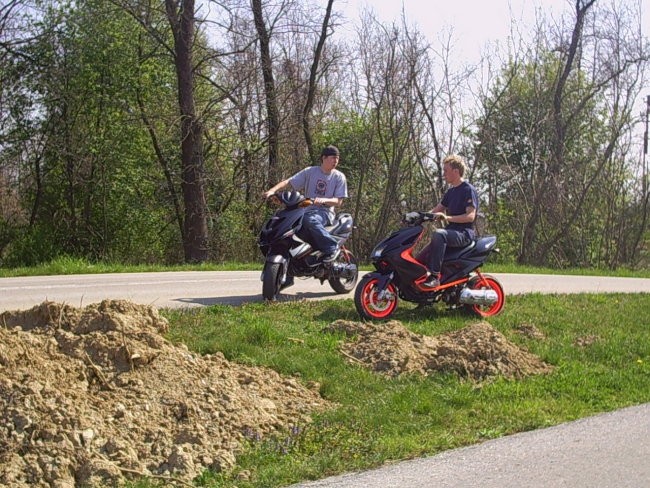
(477, 352)
(93, 396)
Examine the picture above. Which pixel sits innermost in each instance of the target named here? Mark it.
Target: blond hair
(456, 162)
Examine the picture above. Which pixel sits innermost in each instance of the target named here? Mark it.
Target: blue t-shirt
(456, 200)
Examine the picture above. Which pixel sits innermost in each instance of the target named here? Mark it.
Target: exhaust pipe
(342, 270)
(478, 297)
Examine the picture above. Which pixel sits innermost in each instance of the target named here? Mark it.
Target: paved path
(202, 288)
(611, 450)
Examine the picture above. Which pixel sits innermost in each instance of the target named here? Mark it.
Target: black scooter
(401, 274)
(288, 255)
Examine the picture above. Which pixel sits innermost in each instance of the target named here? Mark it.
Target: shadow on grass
(405, 313)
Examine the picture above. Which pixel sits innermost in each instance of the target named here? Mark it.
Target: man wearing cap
(326, 187)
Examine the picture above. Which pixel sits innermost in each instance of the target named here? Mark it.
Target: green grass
(67, 265)
(381, 420)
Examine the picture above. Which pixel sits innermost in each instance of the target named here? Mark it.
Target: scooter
(288, 255)
(401, 274)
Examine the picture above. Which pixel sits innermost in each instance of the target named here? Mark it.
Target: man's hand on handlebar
(411, 217)
(441, 217)
(420, 217)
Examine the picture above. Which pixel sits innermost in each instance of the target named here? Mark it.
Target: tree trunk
(195, 232)
(272, 121)
(311, 90)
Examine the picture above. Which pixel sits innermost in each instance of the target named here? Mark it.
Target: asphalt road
(202, 288)
(606, 451)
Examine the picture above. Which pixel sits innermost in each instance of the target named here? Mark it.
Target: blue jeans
(313, 223)
(441, 239)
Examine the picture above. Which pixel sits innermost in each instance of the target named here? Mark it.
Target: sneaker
(433, 281)
(328, 257)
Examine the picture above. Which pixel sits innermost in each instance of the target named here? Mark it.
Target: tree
(272, 115)
(180, 14)
(555, 133)
(77, 156)
(313, 79)
(389, 64)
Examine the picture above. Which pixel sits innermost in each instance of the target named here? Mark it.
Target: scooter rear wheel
(271, 281)
(367, 301)
(488, 282)
(344, 285)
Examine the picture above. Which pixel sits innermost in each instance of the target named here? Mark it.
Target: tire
(367, 303)
(342, 285)
(271, 283)
(488, 282)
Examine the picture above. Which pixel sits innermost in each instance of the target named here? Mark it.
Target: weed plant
(598, 344)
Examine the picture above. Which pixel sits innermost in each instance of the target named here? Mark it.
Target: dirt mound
(476, 352)
(530, 331)
(95, 395)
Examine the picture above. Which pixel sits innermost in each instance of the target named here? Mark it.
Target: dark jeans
(441, 239)
(313, 223)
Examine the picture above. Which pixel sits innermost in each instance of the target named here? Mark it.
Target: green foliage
(598, 344)
(99, 193)
(232, 236)
(74, 265)
(91, 159)
(31, 248)
(352, 134)
(367, 168)
(562, 186)
(499, 223)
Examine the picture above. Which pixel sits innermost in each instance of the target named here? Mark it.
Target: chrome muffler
(478, 297)
(347, 271)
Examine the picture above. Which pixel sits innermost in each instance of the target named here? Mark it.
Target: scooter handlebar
(417, 218)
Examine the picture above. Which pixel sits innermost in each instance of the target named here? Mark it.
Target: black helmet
(291, 198)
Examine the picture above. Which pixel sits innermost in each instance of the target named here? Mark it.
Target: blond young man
(458, 208)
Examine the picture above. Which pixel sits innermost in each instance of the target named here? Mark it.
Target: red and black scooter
(401, 274)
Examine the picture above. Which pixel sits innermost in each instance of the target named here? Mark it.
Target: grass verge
(67, 265)
(599, 345)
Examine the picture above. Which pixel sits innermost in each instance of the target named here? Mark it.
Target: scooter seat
(455, 252)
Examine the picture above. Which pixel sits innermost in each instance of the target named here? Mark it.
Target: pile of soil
(92, 396)
(530, 331)
(96, 395)
(477, 352)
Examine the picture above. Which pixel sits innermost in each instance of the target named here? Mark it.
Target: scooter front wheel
(372, 303)
(271, 281)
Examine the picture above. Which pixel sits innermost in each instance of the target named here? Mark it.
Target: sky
(473, 22)
(476, 23)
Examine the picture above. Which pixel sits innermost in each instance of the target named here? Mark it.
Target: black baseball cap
(330, 151)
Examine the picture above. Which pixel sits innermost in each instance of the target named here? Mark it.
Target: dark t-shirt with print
(456, 200)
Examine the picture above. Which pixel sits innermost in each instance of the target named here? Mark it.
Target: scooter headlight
(377, 252)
